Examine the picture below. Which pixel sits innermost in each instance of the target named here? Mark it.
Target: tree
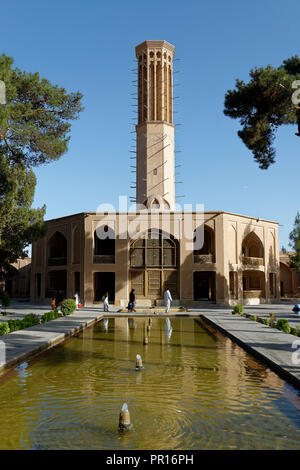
(20, 225)
(295, 243)
(34, 129)
(262, 105)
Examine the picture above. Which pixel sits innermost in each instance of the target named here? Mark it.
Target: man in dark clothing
(131, 301)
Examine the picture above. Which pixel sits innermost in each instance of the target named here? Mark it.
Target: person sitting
(296, 308)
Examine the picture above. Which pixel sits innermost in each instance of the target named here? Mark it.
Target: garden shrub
(30, 320)
(266, 322)
(283, 325)
(4, 328)
(295, 331)
(68, 306)
(15, 325)
(238, 308)
(48, 316)
(254, 317)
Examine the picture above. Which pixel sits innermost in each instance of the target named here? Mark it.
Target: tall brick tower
(155, 167)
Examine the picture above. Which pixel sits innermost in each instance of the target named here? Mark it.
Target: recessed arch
(57, 250)
(252, 246)
(207, 252)
(104, 244)
(154, 261)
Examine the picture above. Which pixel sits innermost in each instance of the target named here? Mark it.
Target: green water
(198, 390)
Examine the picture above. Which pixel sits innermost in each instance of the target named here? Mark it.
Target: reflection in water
(197, 390)
(168, 329)
(105, 323)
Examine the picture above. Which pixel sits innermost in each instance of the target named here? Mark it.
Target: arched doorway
(154, 261)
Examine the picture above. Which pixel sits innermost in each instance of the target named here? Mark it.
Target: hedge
(4, 328)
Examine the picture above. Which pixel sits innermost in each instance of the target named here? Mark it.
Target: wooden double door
(151, 283)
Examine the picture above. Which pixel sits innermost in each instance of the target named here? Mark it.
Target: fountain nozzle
(124, 418)
(138, 362)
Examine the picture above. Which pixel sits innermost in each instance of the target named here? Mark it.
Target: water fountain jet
(124, 418)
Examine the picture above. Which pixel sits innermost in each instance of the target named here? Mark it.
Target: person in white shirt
(105, 303)
(167, 299)
(76, 298)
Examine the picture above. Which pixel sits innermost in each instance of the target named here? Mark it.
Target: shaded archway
(204, 285)
(154, 261)
(286, 280)
(104, 245)
(104, 283)
(252, 250)
(206, 254)
(253, 284)
(57, 250)
(56, 282)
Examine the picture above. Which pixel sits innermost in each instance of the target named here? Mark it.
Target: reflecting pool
(197, 390)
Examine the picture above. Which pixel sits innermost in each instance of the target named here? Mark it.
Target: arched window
(205, 254)
(252, 246)
(104, 245)
(57, 250)
(153, 252)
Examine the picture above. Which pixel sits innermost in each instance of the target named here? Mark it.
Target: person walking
(132, 301)
(105, 303)
(167, 299)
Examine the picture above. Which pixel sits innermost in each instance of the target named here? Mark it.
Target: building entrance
(204, 285)
(154, 266)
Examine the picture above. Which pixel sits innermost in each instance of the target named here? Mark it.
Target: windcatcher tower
(155, 168)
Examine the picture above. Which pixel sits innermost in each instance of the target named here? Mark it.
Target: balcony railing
(250, 261)
(103, 259)
(253, 294)
(62, 261)
(204, 259)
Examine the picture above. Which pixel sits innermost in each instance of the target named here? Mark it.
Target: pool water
(198, 390)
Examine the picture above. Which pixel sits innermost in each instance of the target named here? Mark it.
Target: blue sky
(89, 46)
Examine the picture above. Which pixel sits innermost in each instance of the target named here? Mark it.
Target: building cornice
(154, 44)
